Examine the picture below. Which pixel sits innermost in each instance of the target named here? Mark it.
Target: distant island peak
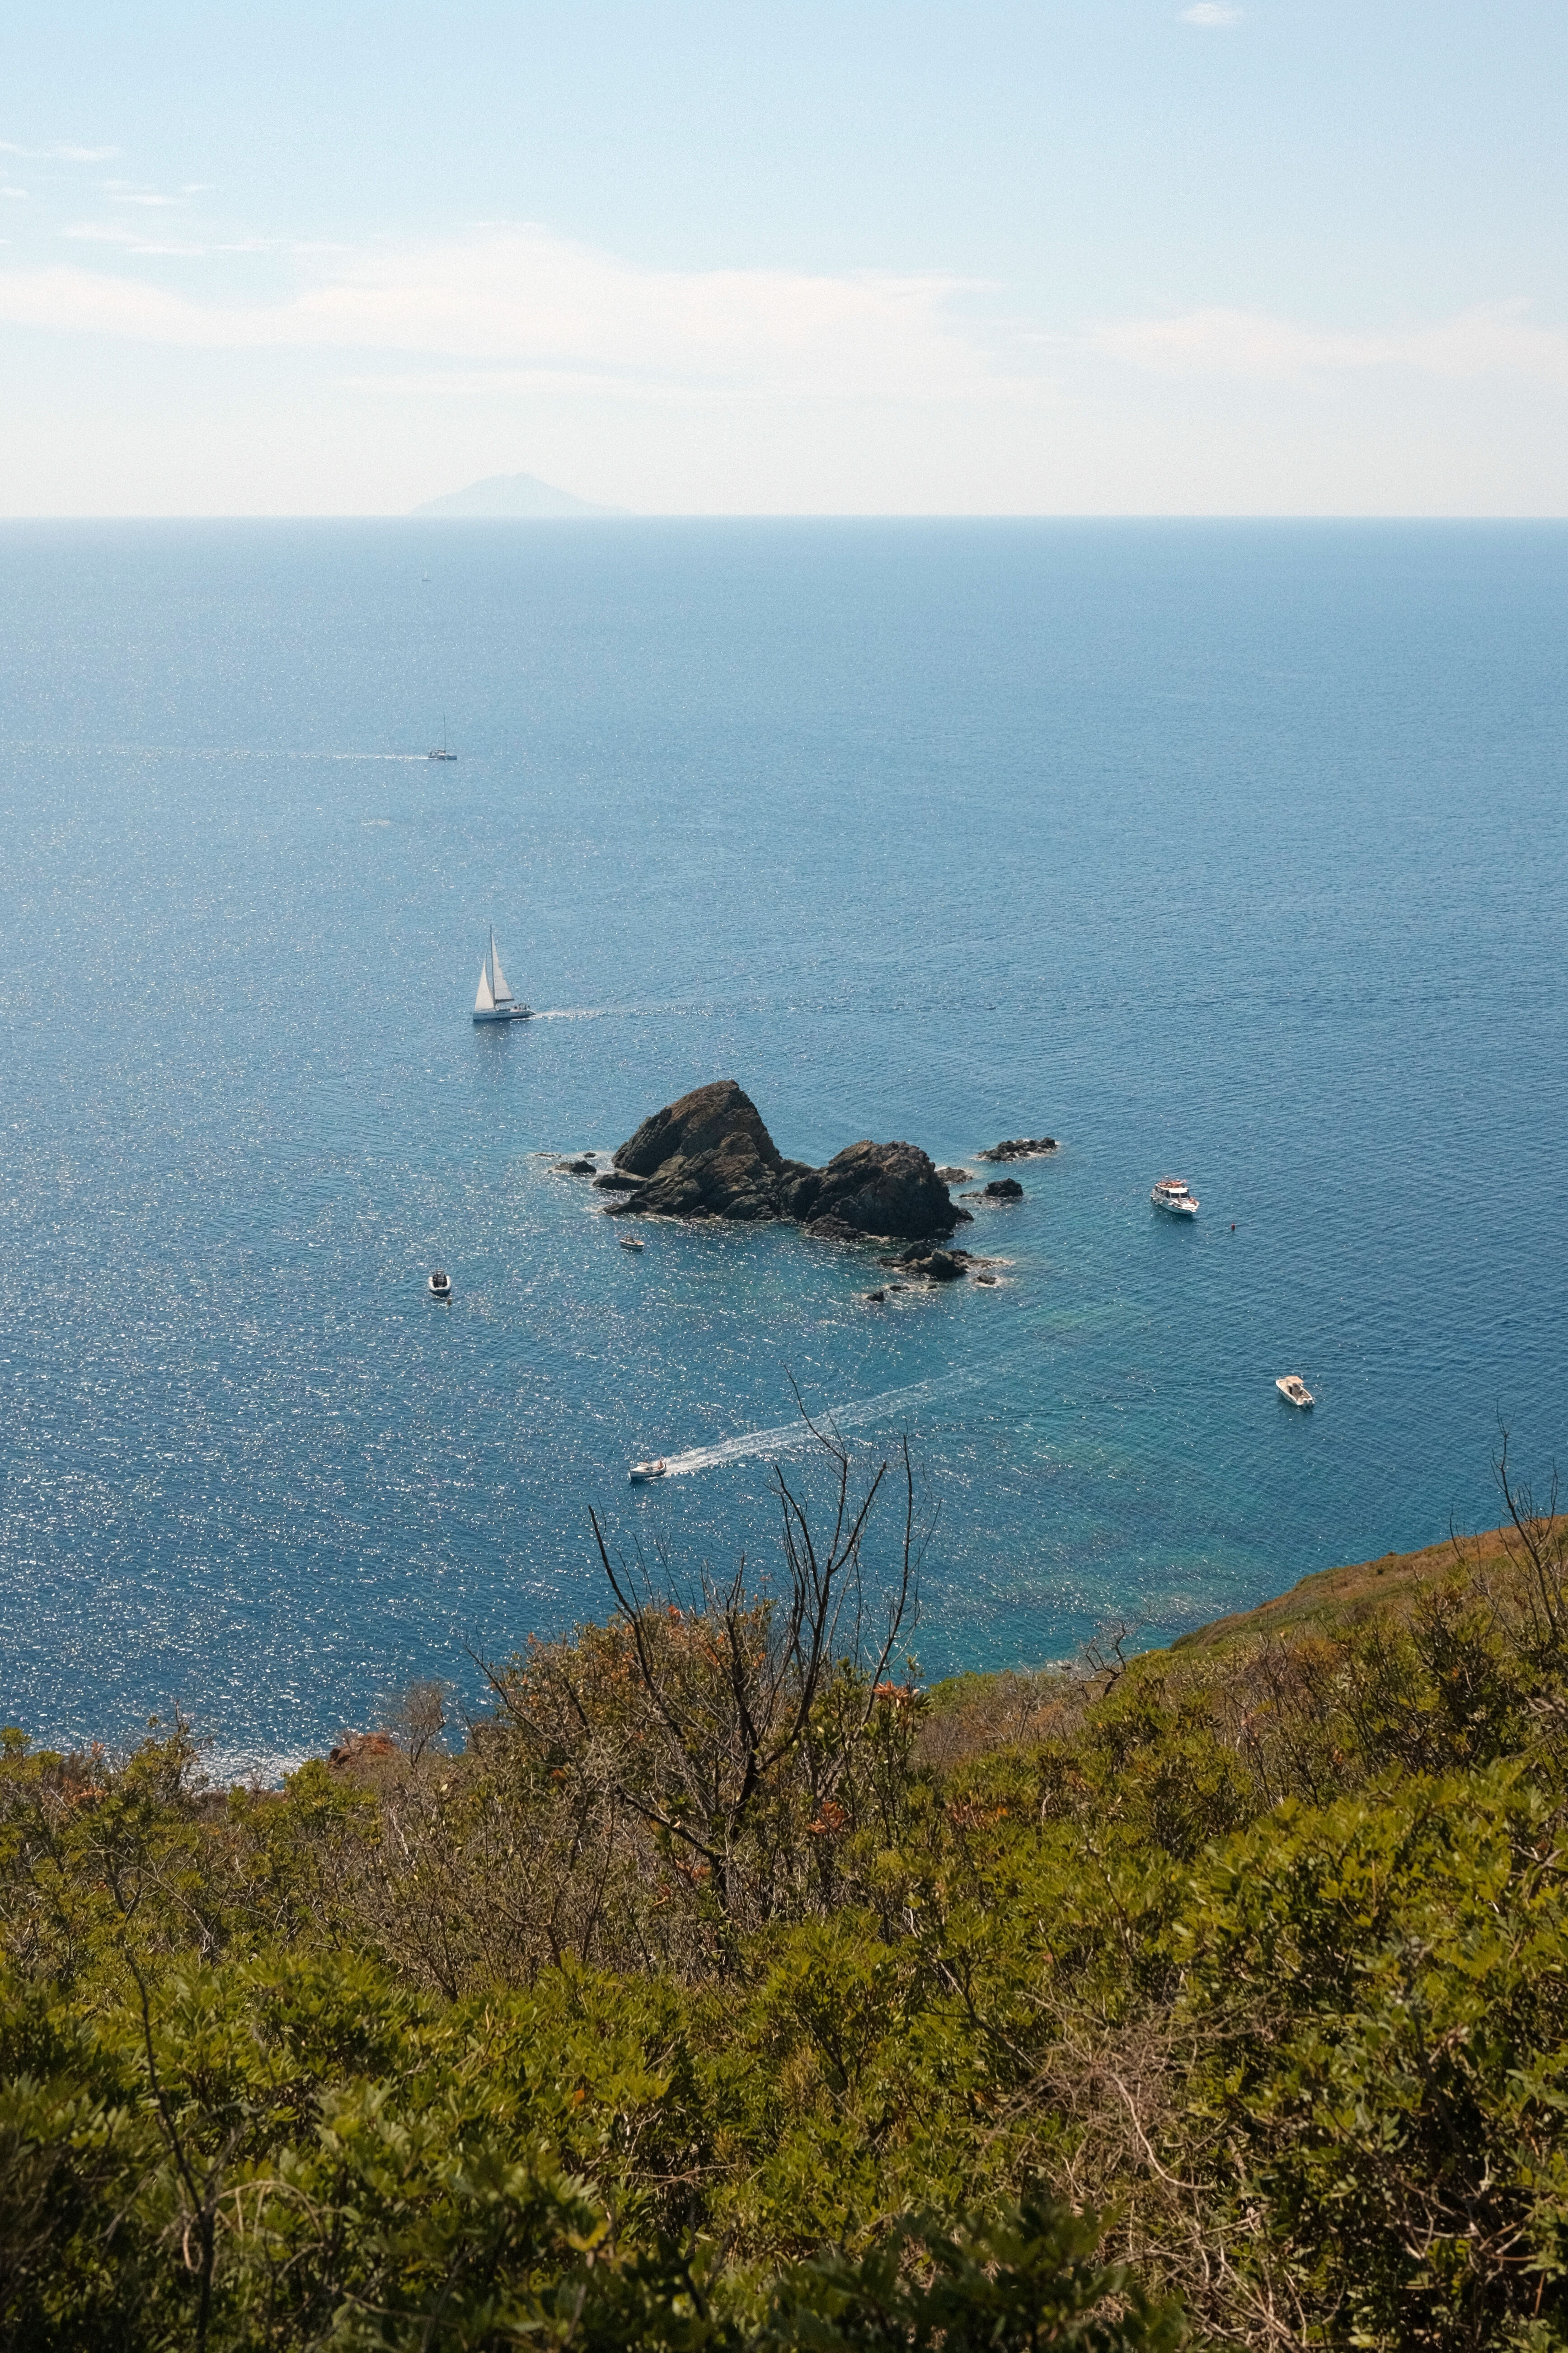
(518, 496)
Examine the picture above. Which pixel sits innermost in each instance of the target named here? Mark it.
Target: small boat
(1294, 1389)
(442, 753)
(440, 1286)
(495, 1001)
(643, 1472)
(629, 1241)
(1170, 1194)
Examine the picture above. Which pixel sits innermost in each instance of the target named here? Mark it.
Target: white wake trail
(790, 1436)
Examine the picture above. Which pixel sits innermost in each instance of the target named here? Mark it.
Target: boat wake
(790, 1436)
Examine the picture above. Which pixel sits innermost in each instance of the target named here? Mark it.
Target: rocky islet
(708, 1154)
(1020, 1147)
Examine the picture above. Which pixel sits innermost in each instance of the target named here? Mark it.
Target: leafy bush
(723, 1992)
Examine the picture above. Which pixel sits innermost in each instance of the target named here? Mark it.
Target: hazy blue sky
(1080, 256)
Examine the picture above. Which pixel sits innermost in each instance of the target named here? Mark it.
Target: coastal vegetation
(718, 1986)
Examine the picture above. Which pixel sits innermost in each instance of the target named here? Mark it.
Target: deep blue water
(1231, 849)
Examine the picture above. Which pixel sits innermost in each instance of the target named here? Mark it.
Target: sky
(770, 257)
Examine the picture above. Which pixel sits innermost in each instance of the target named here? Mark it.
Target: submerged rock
(574, 1167)
(709, 1156)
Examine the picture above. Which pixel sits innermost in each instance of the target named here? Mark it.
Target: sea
(1236, 851)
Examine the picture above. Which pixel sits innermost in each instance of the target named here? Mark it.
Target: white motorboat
(440, 1286)
(442, 753)
(495, 1001)
(1170, 1194)
(643, 1472)
(1294, 1389)
(629, 1241)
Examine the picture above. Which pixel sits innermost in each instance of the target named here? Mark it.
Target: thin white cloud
(1493, 339)
(60, 155)
(521, 296)
(136, 241)
(130, 241)
(508, 307)
(1210, 15)
(128, 192)
(6, 190)
(104, 233)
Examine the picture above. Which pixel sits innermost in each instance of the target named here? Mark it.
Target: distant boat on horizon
(495, 1001)
(443, 753)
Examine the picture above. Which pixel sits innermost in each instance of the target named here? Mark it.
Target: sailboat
(442, 753)
(495, 1001)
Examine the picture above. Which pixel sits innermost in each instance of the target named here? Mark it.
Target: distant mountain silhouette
(513, 494)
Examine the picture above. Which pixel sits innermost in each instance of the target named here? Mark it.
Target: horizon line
(751, 514)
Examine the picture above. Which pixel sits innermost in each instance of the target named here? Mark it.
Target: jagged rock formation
(873, 1188)
(709, 1156)
(1021, 1147)
(936, 1265)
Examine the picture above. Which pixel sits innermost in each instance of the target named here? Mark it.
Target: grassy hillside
(1337, 1598)
(717, 1988)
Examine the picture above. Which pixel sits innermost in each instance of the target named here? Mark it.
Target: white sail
(484, 1002)
(498, 977)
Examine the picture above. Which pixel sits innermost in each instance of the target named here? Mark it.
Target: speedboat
(643, 1472)
(1170, 1194)
(440, 1285)
(631, 1241)
(1294, 1389)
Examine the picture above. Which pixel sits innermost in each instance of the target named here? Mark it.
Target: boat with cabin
(495, 1001)
(1294, 1389)
(641, 1472)
(1172, 1195)
(441, 753)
